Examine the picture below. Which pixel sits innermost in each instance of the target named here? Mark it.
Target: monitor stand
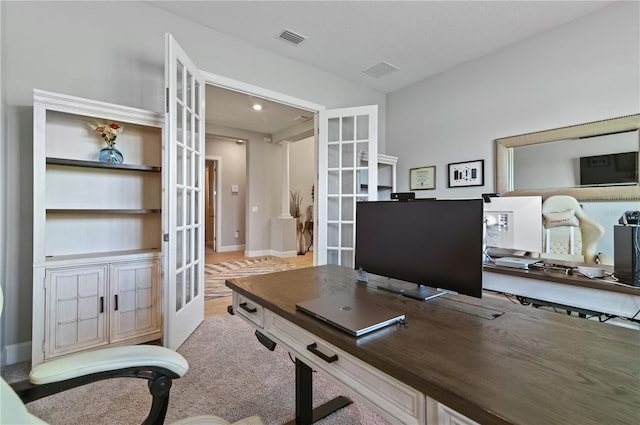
(420, 292)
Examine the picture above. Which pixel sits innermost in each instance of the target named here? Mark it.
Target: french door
(183, 162)
(347, 174)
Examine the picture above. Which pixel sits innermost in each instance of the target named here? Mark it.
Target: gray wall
(583, 71)
(71, 48)
(232, 170)
(586, 70)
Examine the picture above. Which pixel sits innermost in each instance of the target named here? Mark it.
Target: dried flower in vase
(109, 133)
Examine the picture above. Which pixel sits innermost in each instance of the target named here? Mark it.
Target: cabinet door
(134, 299)
(75, 299)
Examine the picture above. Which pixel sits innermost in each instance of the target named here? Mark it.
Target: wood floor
(219, 306)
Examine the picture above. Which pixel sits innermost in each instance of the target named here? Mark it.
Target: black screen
(433, 243)
(609, 169)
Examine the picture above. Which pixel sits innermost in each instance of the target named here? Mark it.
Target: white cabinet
(97, 227)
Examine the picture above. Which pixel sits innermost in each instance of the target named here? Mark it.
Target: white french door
(347, 174)
(183, 162)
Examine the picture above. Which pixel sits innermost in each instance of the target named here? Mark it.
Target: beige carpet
(230, 374)
(216, 274)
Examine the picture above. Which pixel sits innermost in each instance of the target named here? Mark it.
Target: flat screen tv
(432, 243)
(615, 168)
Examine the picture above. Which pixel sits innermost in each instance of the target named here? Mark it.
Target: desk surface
(527, 366)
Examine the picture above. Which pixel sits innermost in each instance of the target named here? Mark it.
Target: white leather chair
(569, 234)
(157, 364)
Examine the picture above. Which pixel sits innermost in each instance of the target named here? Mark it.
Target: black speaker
(626, 254)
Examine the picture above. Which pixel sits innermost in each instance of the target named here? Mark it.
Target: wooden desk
(526, 366)
(599, 295)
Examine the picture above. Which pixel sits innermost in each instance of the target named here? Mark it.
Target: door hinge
(166, 99)
(165, 237)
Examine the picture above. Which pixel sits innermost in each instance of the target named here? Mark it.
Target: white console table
(598, 295)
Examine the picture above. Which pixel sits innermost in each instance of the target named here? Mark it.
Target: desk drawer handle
(314, 349)
(247, 308)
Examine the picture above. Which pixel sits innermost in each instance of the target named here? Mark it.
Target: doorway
(210, 178)
(229, 115)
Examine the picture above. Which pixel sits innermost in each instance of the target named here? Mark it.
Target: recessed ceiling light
(257, 107)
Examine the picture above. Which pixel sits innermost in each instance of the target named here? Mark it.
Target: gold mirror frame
(504, 160)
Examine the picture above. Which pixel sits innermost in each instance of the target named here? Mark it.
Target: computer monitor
(436, 244)
(513, 224)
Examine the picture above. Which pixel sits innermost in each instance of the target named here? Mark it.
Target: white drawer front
(248, 309)
(448, 416)
(391, 398)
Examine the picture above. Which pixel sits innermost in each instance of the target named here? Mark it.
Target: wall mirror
(596, 161)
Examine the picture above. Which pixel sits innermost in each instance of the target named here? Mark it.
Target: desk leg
(305, 413)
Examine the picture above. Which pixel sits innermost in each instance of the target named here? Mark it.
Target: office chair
(156, 364)
(569, 234)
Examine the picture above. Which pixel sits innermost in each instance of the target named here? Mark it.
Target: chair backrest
(12, 409)
(569, 234)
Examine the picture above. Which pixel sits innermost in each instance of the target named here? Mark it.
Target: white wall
(584, 71)
(72, 48)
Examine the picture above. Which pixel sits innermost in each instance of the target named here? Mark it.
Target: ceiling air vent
(291, 37)
(380, 70)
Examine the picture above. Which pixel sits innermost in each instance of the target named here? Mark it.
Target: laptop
(350, 314)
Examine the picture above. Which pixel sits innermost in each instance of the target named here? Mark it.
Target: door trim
(239, 86)
(242, 87)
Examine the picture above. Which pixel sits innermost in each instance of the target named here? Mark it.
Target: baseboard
(284, 254)
(259, 253)
(229, 248)
(16, 353)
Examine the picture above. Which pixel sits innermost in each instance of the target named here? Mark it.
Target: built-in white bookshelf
(97, 227)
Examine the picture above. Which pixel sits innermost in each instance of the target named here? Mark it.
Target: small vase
(112, 155)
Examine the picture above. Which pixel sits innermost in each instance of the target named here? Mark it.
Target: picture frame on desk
(422, 178)
(464, 174)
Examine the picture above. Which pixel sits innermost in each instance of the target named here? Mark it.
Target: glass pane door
(348, 147)
(184, 208)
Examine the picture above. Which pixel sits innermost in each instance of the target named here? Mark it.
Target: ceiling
(233, 109)
(345, 38)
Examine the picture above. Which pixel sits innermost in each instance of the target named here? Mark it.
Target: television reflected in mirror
(609, 169)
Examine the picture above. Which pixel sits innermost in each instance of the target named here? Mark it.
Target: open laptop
(350, 314)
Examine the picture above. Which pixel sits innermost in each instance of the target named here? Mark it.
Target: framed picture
(470, 173)
(423, 178)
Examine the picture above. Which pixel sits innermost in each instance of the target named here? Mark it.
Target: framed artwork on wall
(423, 178)
(463, 174)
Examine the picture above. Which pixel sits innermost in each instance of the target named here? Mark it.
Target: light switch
(234, 188)
(254, 208)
